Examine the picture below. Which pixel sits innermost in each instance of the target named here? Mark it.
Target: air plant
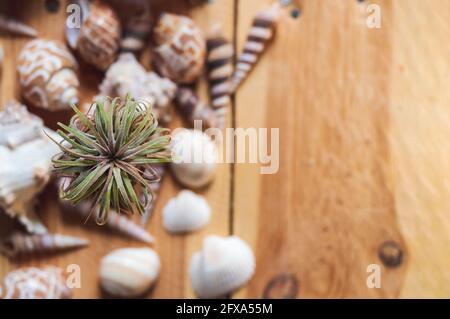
(107, 156)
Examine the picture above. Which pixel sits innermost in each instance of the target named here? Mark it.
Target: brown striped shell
(35, 283)
(180, 51)
(47, 73)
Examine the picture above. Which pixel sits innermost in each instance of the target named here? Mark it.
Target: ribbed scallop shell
(47, 73)
(223, 265)
(180, 51)
(194, 158)
(35, 283)
(186, 212)
(129, 272)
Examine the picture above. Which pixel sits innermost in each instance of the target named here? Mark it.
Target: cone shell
(137, 30)
(193, 109)
(194, 158)
(222, 266)
(186, 212)
(23, 176)
(19, 244)
(47, 73)
(129, 272)
(180, 48)
(35, 283)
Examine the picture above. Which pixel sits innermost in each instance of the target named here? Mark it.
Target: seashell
(223, 265)
(193, 109)
(194, 158)
(180, 48)
(261, 33)
(23, 176)
(98, 39)
(155, 187)
(137, 30)
(19, 244)
(47, 72)
(128, 76)
(35, 283)
(220, 69)
(129, 272)
(186, 212)
(14, 26)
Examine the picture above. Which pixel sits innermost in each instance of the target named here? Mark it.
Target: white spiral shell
(223, 265)
(186, 212)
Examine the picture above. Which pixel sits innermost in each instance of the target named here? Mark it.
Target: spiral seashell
(220, 69)
(35, 283)
(180, 48)
(47, 73)
(261, 33)
(129, 272)
(194, 158)
(155, 187)
(223, 265)
(25, 163)
(14, 26)
(193, 109)
(19, 244)
(137, 30)
(98, 39)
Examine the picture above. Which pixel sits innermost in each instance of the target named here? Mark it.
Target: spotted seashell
(35, 283)
(180, 48)
(47, 73)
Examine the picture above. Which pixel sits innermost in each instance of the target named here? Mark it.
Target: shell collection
(48, 74)
(35, 283)
(129, 272)
(13, 26)
(222, 266)
(186, 212)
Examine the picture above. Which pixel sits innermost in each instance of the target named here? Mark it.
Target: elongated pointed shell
(222, 266)
(19, 244)
(137, 30)
(186, 212)
(193, 109)
(47, 72)
(35, 283)
(129, 272)
(180, 50)
(14, 26)
(25, 163)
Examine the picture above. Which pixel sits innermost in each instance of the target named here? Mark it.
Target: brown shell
(193, 109)
(180, 50)
(47, 73)
(35, 283)
(99, 37)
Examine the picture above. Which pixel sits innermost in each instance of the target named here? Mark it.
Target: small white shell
(222, 266)
(186, 212)
(194, 158)
(129, 272)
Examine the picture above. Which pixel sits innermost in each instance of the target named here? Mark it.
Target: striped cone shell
(193, 109)
(137, 31)
(261, 33)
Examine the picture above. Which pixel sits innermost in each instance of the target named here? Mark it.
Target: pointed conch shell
(47, 72)
(14, 26)
(180, 51)
(186, 212)
(25, 163)
(137, 30)
(194, 158)
(129, 272)
(222, 266)
(35, 283)
(97, 40)
(19, 244)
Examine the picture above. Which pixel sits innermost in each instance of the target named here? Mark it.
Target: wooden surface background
(364, 125)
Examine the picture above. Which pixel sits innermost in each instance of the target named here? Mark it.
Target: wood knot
(391, 254)
(284, 286)
(52, 6)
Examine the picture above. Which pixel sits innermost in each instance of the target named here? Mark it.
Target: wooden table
(364, 125)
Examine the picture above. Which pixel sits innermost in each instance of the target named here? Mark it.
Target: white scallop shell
(222, 266)
(186, 212)
(129, 272)
(194, 158)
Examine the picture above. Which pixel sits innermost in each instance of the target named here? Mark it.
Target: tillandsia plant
(107, 156)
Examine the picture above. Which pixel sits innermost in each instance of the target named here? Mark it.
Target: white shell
(186, 212)
(222, 266)
(25, 163)
(194, 158)
(129, 272)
